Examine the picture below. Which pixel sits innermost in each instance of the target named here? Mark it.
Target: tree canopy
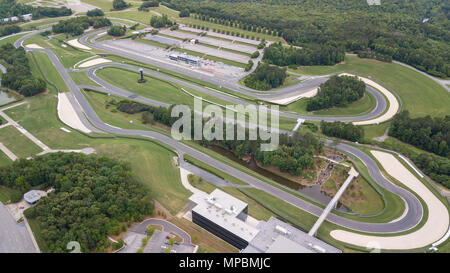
(266, 77)
(93, 196)
(18, 76)
(337, 91)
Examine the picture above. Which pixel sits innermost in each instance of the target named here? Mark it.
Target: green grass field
(4, 159)
(17, 143)
(11, 39)
(5, 194)
(49, 70)
(154, 88)
(419, 94)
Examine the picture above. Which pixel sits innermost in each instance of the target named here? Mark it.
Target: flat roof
(223, 209)
(32, 196)
(276, 236)
(284, 245)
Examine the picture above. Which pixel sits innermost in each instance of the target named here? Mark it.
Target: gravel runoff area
(291, 99)
(393, 103)
(67, 114)
(34, 46)
(14, 237)
(434, 229)
(77, 44)
(94, 62)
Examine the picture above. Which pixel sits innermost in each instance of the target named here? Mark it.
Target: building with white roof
(225, 216)
(32, 197)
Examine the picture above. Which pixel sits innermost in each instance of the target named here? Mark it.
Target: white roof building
(32, 197)
(223, 210)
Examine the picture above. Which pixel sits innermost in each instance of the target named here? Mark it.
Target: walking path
(10, 154)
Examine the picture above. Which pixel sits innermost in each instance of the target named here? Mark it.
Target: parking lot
(211, 41)
(159, 241)
(208, 67)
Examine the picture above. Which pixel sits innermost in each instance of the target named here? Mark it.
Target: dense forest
(76, 26)
(18, 76)
(266, 77)
(415, 32)
(337, 91)
(427, 133)
(294, 154)
(9, 8)
(93, 196)
(342, 130)
(281, 55)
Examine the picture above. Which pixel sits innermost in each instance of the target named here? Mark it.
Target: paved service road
(14, 237)
(167, 226)
(411, 219)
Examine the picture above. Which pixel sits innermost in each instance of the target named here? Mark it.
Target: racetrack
(412, 217)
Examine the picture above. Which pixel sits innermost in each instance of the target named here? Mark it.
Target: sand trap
(75, 43)
(94, 62)
(289, 100)
(68, 115)
(34, 46)
(433, 230)
(393, 102)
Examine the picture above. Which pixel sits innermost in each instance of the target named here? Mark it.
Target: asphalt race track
(411, 219)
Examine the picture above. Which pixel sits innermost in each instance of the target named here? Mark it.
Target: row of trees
(39, 12)
(9, 8)
(337, 91)
(235, 24)
(326, 54)
(76, 26)
(266, 77)
(394, 29)
(18, 76)
(427, 133)
(148, 4)
(225, 31)
(93, 195)
(342, 130)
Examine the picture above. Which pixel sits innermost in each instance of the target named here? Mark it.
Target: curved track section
(410, 220)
